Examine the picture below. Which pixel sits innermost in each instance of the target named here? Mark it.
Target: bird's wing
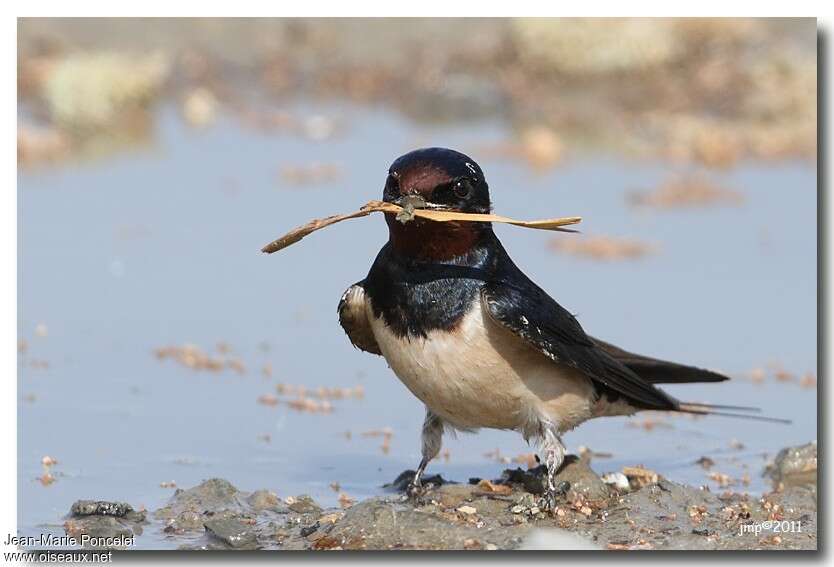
(354, 319)
(525, 309)
(659, 371)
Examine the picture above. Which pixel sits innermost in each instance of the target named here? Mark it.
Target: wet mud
(635, 509)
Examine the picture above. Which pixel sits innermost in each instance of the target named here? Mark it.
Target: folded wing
(353, 316)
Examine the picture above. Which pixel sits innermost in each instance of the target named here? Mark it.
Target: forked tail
(710, 409)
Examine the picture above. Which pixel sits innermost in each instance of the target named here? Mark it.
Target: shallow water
(160, 246)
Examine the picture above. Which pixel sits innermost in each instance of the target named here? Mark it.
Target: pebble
(618, 480)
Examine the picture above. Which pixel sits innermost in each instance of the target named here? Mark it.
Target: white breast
(481, 375)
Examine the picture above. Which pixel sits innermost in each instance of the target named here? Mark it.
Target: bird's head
(440, 179)
(437, 178)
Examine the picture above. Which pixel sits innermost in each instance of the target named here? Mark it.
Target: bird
(476, 340)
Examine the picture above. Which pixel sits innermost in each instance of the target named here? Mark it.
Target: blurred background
(158, 346)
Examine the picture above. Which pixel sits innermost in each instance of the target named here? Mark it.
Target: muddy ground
(632, 509)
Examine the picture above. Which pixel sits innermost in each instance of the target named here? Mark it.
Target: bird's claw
(547, 502)
(415, 489)
(415, 492)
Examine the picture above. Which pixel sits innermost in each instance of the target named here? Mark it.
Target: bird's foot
(552, 494)
(415, 489)
(416, 493)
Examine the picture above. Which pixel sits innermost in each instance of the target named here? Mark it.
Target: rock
(186, 520)
(97, 527)
(794, 466)
(582, 479)
(265, 500)
(103, 520)
(222, 511)
(618, 480)
(304, 504)
(213, 494)
(233, 533)
(100, 508)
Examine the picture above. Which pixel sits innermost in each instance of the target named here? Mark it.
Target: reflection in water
(125, 256)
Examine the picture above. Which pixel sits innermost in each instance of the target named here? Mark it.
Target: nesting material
(406, 215)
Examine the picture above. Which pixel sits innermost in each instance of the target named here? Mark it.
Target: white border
(8, 194)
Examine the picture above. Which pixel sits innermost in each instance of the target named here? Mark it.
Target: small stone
(618, 480)
(264, 500)
(100, 508)
(303, 505)
(468, 510)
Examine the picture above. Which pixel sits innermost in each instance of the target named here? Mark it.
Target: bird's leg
(415, 487)
(432, 439)
(554, 456)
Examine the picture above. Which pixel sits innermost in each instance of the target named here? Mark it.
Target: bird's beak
(411, 202)
(416, 202)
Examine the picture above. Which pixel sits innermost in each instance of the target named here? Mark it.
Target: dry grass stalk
(438, 216)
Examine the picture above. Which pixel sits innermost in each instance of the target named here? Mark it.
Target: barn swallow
(475, 340)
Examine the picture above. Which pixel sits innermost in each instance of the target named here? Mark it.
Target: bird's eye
(462, 188)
